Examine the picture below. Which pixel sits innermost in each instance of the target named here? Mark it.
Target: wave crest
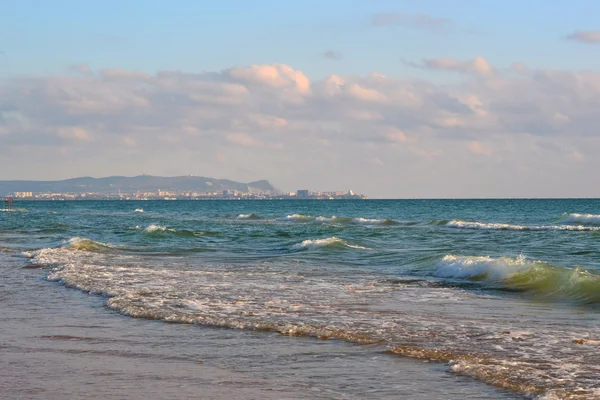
(159, 230)
(248, 216)
(456, 223)
(84, 244)
(297, 217)
(591, 219)
(522, 274)
(313, 244)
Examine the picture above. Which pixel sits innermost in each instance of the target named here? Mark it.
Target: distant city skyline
(146, 187)
(394, 99)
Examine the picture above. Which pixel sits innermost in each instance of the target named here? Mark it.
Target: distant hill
(142, 183)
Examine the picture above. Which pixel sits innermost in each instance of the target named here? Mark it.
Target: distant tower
(302, 193)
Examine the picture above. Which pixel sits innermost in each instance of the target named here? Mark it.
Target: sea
(300, 299)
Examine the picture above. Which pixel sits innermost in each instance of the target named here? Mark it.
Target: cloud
(419, 21)
(478, 148)
(277, 76)
(333, 55)
(591, 37)
(74, 133)
(82, 69)
(241, 139)
(477, 66)
(278, 124)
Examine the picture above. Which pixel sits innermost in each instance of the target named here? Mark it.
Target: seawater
(344, 299)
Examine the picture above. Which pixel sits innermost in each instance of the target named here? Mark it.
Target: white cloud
(478, 148)
(478, 65)
(271, 121)
(74, 133)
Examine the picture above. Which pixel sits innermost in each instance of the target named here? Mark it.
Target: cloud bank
(499, 132)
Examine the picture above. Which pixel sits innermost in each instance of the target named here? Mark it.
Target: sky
(393, 99)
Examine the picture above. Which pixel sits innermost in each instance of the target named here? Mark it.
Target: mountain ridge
(112, 184)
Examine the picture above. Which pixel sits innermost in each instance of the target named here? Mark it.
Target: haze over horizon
(394, 99)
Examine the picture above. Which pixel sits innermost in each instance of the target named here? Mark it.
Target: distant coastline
(147, 187)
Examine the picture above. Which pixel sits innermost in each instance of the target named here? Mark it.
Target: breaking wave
(139, 210)
(591, 219)
(78, 243)
(338, 220)
(501, 353)
(157, 230)
(248, 216)
(332, 242)
(522, 274)
(456, 223)
(373, 221)
(13, 210)
(297, 218)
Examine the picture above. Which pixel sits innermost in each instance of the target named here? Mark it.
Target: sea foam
(248, 216)
(156, 228)
(312, 244)
(592, 219)
(456, 223)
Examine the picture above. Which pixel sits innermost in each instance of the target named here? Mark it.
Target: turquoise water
(503, 291)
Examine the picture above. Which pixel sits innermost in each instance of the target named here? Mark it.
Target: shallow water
(502, 293)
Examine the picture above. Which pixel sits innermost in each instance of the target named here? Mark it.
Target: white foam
(312, 244)
(340, 307)
(248, 216)
(593, 219)
(369, 221)
(326, 219)
(494, 269)
(455, 223)
(154, 228)
(316, 243)
(139, 210)
(296, 217)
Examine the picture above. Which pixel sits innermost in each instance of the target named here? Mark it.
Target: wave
(338, 220)
(139, 210)
(591, 219)
(373, 221)
(522, 274)
(157, 230)
(332, 242)
(297, 218)
(497, 351)
(248, 216)
(84, 244)
(456, 223)
(67, 252)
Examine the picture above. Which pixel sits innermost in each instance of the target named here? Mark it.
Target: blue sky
(447, 98)
(41, 37)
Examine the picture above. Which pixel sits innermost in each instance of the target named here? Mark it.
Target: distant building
(302, 193)
(23, 195)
